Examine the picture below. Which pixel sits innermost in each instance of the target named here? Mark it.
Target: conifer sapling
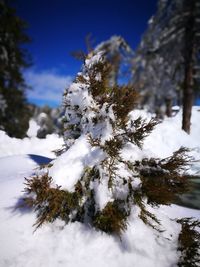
(111, 185)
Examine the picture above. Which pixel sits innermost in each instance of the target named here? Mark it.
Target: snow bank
(13, 146)
(168, 136)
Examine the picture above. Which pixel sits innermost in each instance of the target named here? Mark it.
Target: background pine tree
(14, 112)
(166, 64)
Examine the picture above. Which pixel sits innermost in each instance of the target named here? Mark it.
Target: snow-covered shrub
(48, 120)
(106, 182)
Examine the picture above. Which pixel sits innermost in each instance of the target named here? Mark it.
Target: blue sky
(59, 27)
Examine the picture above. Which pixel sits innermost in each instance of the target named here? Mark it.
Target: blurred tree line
(164, 69)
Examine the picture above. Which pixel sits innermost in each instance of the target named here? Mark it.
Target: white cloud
(47, 86)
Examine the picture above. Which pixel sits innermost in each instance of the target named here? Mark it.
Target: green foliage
(98, 87)
(53, 203)
(189, 243)
(146, 216)
(50, 203)
(162, 180)
(112, 219)
(138, 130)
(113, 146)
(14, 118)
(124, 99)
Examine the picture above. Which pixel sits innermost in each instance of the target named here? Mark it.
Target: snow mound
(168, 136)
(13, 146)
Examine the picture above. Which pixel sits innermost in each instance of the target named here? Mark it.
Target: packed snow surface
(76, 244)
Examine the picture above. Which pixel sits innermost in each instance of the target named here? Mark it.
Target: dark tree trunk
(188, 97)
(168, 102)
(188, 86)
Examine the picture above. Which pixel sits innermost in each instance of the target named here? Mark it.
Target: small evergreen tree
(101, 115)
(14, 115)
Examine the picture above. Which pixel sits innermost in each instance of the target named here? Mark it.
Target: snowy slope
(75, 244)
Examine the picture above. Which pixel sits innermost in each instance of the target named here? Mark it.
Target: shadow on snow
(40, 160)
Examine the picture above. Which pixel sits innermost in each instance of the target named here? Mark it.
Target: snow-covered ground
(75, 244)
(30, 145)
